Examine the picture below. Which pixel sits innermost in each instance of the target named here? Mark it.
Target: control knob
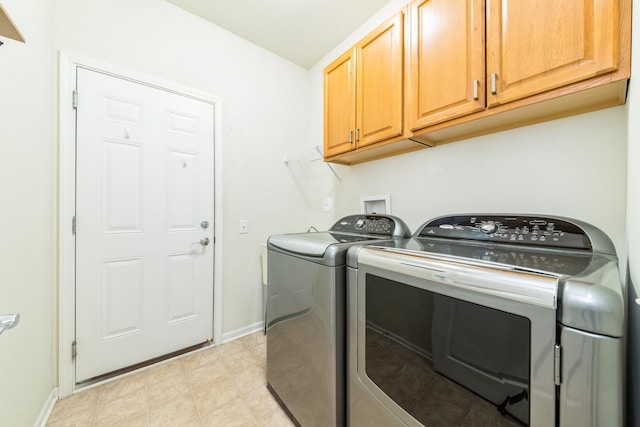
(488, 227)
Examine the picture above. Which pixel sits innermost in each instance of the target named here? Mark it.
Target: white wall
(574, 167)
(27, 192)
(264, 116)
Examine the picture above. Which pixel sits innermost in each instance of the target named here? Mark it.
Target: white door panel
(144, 287)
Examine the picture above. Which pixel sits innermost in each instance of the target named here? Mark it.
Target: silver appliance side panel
(591, 394)
(595, 302)
(305, 338)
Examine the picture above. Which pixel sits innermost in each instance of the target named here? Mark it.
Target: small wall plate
(380, 204)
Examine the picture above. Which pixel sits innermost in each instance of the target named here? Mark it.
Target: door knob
(9, 321)
(204, 242)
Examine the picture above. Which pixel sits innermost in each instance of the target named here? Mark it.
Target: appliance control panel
(370, 224)
(518, 229)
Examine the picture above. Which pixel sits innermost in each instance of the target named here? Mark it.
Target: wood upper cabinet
(363, 91)
(447, 71)
(340, 104)
(379, 82)
(473, 67)
(535, 46)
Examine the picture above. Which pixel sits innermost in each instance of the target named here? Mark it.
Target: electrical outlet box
(380, 204)
(244, 226)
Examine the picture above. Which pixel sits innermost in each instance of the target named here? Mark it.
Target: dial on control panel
(488, 227)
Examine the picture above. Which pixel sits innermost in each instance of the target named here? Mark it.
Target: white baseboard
(47, 408)
(239, 333)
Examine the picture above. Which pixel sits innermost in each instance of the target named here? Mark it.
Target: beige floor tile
(72, 421)
(123, 386)
(215, 395)
(235, 414)
(230, 349)
(239, 362)
(177, 412)
(139, 421)
(250, 379)
(166, 372)
(167, 381)
(169, 389)
(81, 407)
(260, 353)
(127, 407)
(204, 375)
(277, 419)
(201, 358)
(261, 403)
(254, 339)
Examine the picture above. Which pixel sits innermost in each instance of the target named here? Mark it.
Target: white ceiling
(302, 31)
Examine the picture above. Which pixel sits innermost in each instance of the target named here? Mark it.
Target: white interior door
(145, 191)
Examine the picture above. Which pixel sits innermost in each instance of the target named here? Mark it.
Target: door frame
(68, 65)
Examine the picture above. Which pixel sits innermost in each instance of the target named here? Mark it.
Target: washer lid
(313, 244)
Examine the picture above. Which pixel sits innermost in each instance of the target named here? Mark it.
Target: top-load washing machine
(306, 309)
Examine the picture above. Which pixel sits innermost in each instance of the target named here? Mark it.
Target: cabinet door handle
(357, 134)
(476, 83)
(350, 136)
(493, 84)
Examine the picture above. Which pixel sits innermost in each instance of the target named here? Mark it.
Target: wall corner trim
(47, 408)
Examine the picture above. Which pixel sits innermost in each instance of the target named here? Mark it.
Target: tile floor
(217, 386)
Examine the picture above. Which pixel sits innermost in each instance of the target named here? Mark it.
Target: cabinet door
(340, 104)
(379, 83)
(447, 71)
(534, 46)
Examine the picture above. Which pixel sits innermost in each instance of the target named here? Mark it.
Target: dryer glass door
(440, 357)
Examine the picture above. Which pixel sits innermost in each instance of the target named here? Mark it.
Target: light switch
(244, 226)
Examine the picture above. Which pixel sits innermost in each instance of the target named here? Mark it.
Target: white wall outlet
(244, 226)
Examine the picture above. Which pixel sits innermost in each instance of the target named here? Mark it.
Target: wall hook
(308, 156)
(9, 321)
